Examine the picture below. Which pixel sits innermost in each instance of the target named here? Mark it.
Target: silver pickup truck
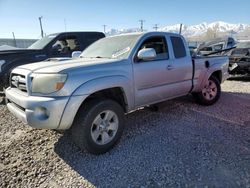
(89, 95)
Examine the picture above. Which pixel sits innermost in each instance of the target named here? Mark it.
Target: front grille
(18, 81)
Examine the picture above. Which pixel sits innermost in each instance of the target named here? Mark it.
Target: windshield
(116, 47)
(40, 44)
(243, 45)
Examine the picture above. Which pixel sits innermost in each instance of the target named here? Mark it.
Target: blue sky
(21, 16)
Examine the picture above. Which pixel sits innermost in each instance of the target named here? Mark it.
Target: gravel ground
(181, 145)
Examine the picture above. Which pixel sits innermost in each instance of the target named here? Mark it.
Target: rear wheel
(98, 126)
(210, 93)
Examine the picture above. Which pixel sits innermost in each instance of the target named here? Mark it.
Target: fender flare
(107, 82)
(81, 93)
(208, 74)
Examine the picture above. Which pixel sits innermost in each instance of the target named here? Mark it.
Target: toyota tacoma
(114, 76)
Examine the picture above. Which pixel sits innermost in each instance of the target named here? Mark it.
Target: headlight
(1, 63)
(47, 83)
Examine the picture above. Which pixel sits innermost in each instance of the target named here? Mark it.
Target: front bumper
(240, 67)
(38, 112)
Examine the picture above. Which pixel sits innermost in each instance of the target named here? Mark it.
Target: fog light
(41, 113)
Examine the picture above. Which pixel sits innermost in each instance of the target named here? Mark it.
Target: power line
(155, 27)
(142, 22)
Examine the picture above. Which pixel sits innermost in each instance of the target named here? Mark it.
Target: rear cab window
(89, 38)
(65, 45)
(178, 47)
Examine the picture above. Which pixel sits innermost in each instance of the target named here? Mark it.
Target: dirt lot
(182, 145)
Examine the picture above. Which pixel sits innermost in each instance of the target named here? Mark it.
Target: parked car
(240, 59)
(51, 46)
(114, 76)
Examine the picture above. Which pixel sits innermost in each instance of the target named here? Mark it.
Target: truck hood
(59, 66)
(17, 51)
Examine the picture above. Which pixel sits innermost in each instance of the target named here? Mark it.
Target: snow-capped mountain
(121, 31)
(194, 30)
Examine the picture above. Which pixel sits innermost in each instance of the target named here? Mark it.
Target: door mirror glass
(147, 54)
(76, 54)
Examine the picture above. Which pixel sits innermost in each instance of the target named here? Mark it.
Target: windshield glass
(243, 45)
(40, 44)
(116, 47)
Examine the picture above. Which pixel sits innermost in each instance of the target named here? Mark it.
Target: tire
(98, 126)
(1, 85)
(210, 93)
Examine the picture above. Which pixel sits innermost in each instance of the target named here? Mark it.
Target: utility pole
(14, 39)
(41, 26)
(180, 28)
(156, 27)
(104, 28)
(142, 22)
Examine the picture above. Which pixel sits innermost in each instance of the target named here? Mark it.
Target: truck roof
(81, 32)
(145, 33)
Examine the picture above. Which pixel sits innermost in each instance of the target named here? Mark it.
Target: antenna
(142, 22)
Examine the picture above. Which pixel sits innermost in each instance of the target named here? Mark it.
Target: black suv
(239, 59)
(51, 46)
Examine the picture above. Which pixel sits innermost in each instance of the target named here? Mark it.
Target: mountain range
(200, 29)
(195, 30)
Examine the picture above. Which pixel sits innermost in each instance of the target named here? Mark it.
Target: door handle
(170, 67)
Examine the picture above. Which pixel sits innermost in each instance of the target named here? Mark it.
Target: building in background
(19, 43)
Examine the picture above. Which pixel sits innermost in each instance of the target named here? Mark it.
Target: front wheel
(98, 126)
(210, 93)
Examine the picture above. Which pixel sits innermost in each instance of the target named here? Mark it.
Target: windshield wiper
(97, 57)
(102, 57)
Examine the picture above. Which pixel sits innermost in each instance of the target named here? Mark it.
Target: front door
(150, 76)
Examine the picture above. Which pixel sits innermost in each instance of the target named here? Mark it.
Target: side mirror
(76, 54)
(147, 54)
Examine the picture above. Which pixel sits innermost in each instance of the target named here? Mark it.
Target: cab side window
(159, 45)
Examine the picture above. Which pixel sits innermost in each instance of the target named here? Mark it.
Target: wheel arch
(217, 74)
(115, 88)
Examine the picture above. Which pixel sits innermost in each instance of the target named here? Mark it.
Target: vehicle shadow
(240, 78)
(170, 147)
